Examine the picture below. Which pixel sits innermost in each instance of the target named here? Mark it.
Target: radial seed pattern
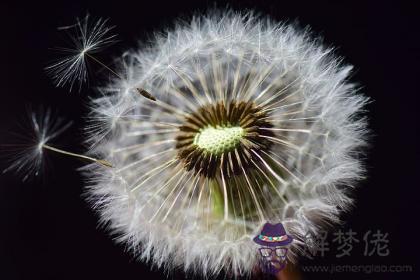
(251, 122)
(218, 140)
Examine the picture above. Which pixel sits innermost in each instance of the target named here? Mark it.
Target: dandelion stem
(100, 161)
(218, 208)
(103, 65)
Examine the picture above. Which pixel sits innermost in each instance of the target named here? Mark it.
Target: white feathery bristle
(27, 154)
(87, 37)
(176, 216)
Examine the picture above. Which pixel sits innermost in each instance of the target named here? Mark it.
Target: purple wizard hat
(273, 235)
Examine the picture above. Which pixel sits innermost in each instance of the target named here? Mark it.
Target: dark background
(47, 230)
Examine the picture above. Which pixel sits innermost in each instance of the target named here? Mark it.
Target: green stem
(217, 199)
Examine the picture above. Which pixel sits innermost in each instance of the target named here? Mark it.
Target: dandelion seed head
(253, 121)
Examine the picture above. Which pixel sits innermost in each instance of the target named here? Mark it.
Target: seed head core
(224, 138)
(220, 139)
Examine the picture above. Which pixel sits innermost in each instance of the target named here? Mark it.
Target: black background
(47, 230)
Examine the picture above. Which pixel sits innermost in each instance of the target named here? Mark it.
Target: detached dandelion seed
(87, 38)
(250, 121)
(28, 155)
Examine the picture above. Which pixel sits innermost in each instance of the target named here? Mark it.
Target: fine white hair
(87, 37)
(27, 154)
(161, 210)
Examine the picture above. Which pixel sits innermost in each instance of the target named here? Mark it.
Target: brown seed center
(223, 138)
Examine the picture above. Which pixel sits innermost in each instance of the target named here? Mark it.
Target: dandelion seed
(87, 39)
(145, 94)
(251, 121)
(28, 155)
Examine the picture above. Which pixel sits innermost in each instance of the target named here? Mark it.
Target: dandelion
(251, 121)
(88, 38)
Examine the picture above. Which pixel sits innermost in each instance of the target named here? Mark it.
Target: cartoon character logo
(273, 242)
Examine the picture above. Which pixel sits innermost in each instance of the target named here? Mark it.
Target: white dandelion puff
(253, 121)
(87, 38)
